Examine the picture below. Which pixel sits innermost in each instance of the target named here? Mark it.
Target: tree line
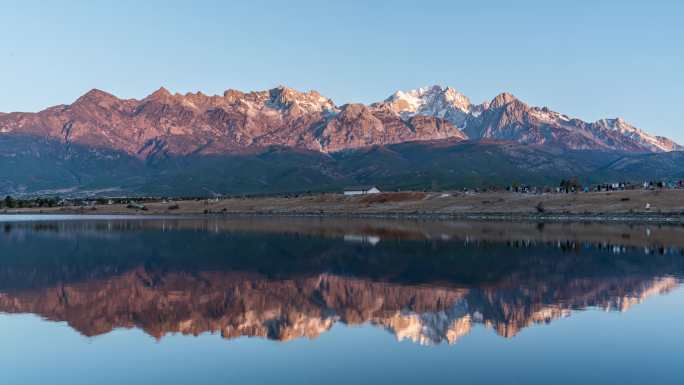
(13, 203)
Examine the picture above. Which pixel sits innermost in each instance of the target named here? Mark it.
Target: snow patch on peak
(426, 96)
(621, 127)
(437, 101)
(285, 98)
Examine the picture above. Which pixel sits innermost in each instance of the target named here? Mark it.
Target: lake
(125, 300)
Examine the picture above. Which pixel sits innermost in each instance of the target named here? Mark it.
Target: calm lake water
(115, 300)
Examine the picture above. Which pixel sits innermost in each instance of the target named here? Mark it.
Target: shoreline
(660, 218)
(500, 217)
(666, 206)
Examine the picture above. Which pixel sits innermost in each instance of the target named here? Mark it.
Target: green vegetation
(12, 203)
(39, 167)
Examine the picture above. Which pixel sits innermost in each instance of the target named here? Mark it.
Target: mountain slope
(35, 166)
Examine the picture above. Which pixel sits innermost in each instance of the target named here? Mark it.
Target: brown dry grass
(393, 197)
(403, 203)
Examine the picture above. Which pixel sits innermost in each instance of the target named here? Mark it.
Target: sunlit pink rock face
(197, 123)
(194, 123)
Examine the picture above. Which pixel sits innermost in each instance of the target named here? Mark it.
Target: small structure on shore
(136, 206)
(361, 190)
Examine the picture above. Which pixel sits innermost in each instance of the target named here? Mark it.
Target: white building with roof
(361, 190)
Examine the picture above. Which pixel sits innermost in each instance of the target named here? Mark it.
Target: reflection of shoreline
(605, 236)
(236, 304)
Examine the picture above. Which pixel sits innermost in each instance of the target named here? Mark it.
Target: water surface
(114, 300)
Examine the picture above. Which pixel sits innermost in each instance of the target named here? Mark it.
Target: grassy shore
(665, 205)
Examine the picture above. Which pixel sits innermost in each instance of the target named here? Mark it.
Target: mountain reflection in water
(282, 279)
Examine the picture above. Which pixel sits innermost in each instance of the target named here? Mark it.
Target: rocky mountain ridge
(31, 166)
(177, 124)
(194, 123)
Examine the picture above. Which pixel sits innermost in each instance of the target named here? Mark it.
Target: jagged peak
(95, 95)
(503, 99)
(197, 94)
(282, 95)
(614, 123)
(291, 92)
(232, 93)
(161, 93)
(422, 91)
(283, 88)
(354, 110)
(285, 97)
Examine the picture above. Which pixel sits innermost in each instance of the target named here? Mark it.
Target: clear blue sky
(589, 59)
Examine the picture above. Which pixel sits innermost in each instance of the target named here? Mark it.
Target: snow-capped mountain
(445, 103)
(508, 118)
(194, 123)
(625, 130)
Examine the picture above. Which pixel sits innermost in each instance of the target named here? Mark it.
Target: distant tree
(569, 185)
(10, 202)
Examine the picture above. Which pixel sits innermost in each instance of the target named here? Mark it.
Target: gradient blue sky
(589, 59)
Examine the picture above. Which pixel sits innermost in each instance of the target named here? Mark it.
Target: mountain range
(285, 140)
